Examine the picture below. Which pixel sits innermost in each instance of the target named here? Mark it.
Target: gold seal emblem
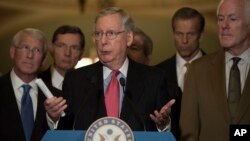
(109, 129)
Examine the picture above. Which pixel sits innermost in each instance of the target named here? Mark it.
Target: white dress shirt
(56, 78)
(243, 67)
(18, 90)
(181, 68)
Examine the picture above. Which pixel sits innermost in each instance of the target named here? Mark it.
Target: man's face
(112, 52)
(66, 51)
(233, 26)
(136, 51)
(27, 55)
(187, 37)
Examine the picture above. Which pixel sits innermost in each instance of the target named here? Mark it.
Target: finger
(170, 103)
(155, 115)
(153, 118)
(62, 102)
(58, 100)
(49, 100)
(60, 105)
(166, 108)
(63, 108)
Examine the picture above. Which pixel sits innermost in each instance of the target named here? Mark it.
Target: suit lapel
(11, 108)
(173, 70)
(96, 92)
(133, 90)
(218, 84)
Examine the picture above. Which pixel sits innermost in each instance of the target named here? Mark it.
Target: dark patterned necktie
(234, 87)
(27, 112)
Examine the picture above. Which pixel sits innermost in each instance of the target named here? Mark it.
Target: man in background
(22, 114)
(142, 47)
(188, 27)
(216, 93)
(67, 47)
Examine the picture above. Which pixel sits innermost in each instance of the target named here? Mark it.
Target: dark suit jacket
(169, 67)
(145, 92)
(10, 120)
(46, 76)
(204, 112)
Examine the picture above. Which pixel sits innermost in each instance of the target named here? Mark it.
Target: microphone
(93, 80)
(135, 111)
(122, 82)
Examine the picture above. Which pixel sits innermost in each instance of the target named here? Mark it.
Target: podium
(78, 135)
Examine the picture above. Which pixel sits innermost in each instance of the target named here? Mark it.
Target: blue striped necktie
(27, 112)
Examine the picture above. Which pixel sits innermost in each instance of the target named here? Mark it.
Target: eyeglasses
(26, 48)
(111, 35)
(74, 48)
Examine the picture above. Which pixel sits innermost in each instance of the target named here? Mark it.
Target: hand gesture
(162, 118)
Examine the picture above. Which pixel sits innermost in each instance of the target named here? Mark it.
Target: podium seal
(109, 129)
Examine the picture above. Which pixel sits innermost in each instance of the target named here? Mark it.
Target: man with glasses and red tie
(22, 114)
(115, 86)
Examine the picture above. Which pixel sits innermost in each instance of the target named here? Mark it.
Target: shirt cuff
(167, 128)
(52, 125)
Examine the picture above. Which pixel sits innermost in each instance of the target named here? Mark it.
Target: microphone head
(122, 81)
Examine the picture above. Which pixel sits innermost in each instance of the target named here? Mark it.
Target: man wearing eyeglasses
(66, 49)
(22, 114)
(141, 100)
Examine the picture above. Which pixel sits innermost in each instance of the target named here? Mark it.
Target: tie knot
(236, 60)
(26, 88)
(115, 73)
(187, 65)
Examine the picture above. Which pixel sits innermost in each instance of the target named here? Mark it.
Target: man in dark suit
(210, 103)
(28, 50)
(67, 47)
(143, 105)
(188, 27)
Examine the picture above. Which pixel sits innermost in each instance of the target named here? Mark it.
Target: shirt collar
(18, 82)
(56, 77)
(245, 56)
(181, 62)
(123, 70)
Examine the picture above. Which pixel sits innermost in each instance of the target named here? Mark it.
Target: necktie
(234, 88)
(112, 96)
(27, 112)
(187, 65)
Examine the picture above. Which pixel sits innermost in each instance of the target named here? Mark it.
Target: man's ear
(12, 52)
(201, 36)
(81, 54)
(130, 38)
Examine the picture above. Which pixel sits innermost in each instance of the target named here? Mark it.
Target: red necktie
(112, 96)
